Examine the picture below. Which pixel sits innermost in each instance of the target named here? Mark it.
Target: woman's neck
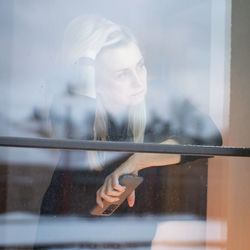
(118, 112)
(118, 115)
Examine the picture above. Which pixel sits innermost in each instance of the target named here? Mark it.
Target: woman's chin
(136, 100)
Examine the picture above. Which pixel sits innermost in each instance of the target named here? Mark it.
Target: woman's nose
(136, 80)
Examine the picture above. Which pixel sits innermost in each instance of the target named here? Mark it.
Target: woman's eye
(122, 75)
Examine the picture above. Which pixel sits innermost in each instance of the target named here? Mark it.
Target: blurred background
(184, 45)
(174, 36)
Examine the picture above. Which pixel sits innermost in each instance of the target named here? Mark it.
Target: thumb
(131, 199)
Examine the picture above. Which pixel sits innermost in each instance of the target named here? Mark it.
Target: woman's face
(121, 76)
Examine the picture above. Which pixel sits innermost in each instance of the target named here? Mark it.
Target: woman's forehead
(119, 58)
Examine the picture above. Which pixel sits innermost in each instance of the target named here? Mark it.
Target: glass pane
(47, 196)
(90, 78)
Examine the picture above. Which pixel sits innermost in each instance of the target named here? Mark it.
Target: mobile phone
(131, 182)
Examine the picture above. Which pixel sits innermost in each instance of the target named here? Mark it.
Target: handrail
(69, 144)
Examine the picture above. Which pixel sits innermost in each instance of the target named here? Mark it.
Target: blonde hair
(85, 37)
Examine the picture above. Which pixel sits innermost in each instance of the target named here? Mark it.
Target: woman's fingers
(112, 197)
(111, 189)
(101, 195)
(116, 185)
(131, 199)
(109, 198)
(114, 193)
(108, 192)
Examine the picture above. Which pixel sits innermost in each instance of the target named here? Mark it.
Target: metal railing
(67, 144)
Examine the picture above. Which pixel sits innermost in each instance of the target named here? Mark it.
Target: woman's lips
(139, 93)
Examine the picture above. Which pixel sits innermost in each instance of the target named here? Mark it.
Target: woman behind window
(109, 75)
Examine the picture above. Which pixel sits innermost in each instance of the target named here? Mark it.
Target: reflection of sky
(174, 36)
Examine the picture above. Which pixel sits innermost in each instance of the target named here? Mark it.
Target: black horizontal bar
(123, 146)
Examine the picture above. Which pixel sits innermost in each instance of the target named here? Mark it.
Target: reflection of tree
(165, 190)
(155, 127)
(193, 126)
(180, 120)
(36, 124)
(40, 118)
(180, 190)
(71, 115)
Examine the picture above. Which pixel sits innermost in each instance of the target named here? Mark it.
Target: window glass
(47, 196)
(50, 195)
(132, 71)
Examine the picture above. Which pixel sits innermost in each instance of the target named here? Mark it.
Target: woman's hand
(111, 189)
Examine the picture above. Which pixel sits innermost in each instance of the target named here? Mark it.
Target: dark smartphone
(131, 182)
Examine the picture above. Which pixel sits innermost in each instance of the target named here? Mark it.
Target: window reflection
(170, 207)
(114, 89)
(184, 69)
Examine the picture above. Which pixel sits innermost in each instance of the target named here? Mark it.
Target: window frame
(69, 144)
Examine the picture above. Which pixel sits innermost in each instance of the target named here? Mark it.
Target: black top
(74, 184)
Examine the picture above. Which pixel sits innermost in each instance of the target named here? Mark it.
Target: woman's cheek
(143, 76)
(118, 95)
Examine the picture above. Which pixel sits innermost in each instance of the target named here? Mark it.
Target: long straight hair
(136, 114)
(136, 125)
(85, 37)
